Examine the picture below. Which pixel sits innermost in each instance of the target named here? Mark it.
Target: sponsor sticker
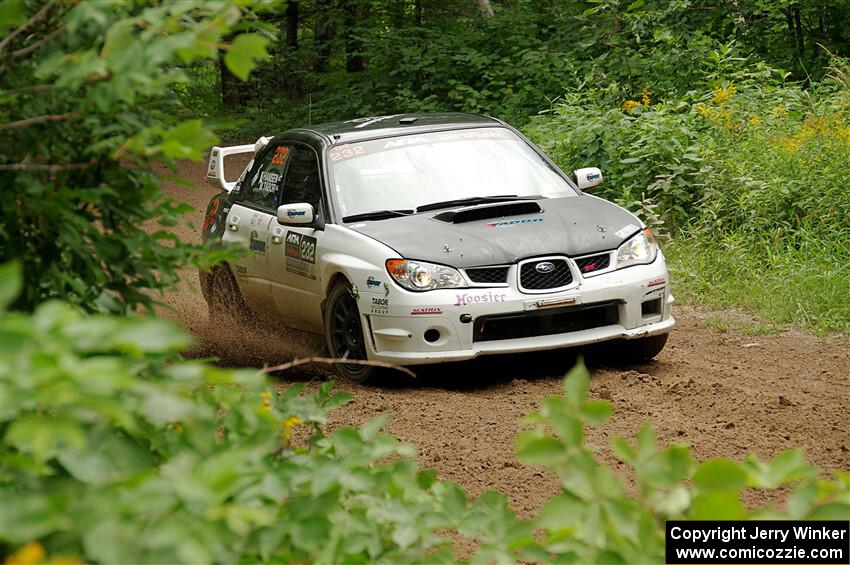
(478, 298)
(296, 213)
(372, 282)
(300, 253)
(656, 282)
(628, 230)
(256, 244)
(380, 305)
(511, 223)
(210, 223)
(280, 154)
(269, 182)
(426, 311)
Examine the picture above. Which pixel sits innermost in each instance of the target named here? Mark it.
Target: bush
(748, 176)
(117, 450)
(87, 106)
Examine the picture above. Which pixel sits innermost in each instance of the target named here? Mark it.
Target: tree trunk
(353, 58)
(417, 13)
(485, 8)
(292, 25)
(323, 33)
(232, 93)
(799, 26)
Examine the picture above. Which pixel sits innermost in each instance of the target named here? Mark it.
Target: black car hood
(565, 226)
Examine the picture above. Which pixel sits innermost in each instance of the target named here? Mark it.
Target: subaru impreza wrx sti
(413, 239)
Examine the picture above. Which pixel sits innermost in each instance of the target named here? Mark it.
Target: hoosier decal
(301, 254)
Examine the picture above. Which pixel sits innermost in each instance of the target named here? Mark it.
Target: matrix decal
(426, 311)
(301, 254)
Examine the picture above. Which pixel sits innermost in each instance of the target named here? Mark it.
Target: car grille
(593, 263)
(545, 322)
(494, 275)
(531, 279)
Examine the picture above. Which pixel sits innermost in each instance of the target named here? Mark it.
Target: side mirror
(296, 214)
(588, 177)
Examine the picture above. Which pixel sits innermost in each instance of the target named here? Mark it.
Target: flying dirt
(721, 386)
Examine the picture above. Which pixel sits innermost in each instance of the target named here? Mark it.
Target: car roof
(396, 124)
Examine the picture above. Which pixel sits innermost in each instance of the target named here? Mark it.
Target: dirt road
(720, 385)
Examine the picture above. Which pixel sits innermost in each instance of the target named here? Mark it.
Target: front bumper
(409, 328)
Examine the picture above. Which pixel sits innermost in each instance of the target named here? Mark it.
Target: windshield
(403, 173)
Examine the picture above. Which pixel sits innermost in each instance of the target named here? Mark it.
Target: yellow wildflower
(722, 94)
(265, 401)
(644, 97)
(288, 425)
(29, 554)
(62, 560)
(754, 120)
(630, 105)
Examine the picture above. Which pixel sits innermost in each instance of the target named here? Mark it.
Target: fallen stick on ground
(330, 361)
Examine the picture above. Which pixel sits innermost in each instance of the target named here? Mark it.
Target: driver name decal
(300, 253)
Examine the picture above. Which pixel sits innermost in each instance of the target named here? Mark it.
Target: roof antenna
(310, 109)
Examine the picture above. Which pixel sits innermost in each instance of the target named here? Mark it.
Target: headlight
(419, 275)
(639, 249)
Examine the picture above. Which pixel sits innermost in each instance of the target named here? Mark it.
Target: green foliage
(115, 449)
(87, 106)
(748, 176)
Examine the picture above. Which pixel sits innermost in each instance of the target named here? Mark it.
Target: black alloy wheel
(344, 333)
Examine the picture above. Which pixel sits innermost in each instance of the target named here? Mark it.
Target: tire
(642, 349)
(224, 299)
(344, 334)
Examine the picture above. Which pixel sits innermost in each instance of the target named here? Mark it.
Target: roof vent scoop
(408, 120)
(487, 212)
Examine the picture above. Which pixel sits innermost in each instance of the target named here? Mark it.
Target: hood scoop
(502, 210)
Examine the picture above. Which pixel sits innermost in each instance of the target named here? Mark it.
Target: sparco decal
(467, 298)
(510, 223)
(301, 254)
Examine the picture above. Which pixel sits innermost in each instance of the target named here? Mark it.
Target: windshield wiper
(377, 215)
(473, 200)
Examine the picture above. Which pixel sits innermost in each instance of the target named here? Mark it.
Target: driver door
(294, 273)
(249, 221)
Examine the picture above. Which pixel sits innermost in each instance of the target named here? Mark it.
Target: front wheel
(642, 349)
(344, 334)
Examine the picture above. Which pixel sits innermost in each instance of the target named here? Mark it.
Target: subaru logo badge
(544, 267)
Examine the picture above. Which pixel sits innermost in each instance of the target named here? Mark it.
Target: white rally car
(414, 239)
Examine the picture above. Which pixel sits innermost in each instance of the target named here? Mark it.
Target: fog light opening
(432, 335)
(651, 308)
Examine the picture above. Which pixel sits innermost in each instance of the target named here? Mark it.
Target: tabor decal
(380, 305)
